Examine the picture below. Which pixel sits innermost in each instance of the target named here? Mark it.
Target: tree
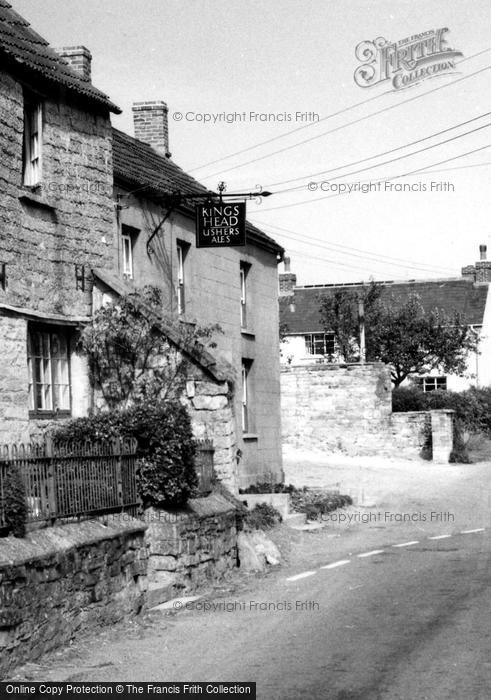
(131, 358)
(402, 335)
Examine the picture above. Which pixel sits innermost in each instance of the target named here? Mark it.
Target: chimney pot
(150, 120)
(287, 264)
(482, 251)
(79, 59)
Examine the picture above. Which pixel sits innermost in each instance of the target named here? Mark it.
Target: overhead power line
(393, 160)
(345, 125)
(342, 266)
(364, 255)
(310, 125)
(386, 179)
(377, 155)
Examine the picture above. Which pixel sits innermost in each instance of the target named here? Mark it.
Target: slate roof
(26, 50)
(139, 166)
(447, 294)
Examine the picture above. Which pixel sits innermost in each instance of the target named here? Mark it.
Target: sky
(282, 72)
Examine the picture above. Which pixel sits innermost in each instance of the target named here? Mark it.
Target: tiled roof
(139, 166)
(26, 49)
(448, 295)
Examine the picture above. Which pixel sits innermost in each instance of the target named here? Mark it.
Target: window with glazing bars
(48, 369)
(33, 127)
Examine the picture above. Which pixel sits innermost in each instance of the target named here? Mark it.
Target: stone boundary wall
(347, 409)
(190, 548)
(339, 408)
(61, 579)
(410, 433)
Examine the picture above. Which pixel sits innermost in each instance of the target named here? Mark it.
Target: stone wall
(339, 408)
(68, 218)
(59, 580)
(210, 405)
(410, 433)
(347, 409)
(190, 548)
(14, 417)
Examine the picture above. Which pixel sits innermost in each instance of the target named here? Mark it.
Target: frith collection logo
(405, 62)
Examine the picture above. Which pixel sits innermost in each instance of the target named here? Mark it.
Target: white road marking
(439, 537)
(335, 564)
(406, 544)
(470, 532)
(304, 575)
(370, 554)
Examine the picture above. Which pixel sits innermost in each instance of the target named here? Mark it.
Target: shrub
(472, 412)
(166, 450)
(262, 517)
(268, 487)
(472, 407)
(408, 399)
(316, 503)
(15, 506)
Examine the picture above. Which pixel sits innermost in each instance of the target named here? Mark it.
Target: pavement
(390, 603)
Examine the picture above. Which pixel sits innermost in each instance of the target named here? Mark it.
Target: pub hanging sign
(220, 224)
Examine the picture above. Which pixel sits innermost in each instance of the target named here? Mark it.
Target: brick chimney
(480, 273)
(79, 59)
(152, 126)
(288, 280)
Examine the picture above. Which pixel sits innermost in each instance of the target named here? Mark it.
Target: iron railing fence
(76, 479)
(72, 479)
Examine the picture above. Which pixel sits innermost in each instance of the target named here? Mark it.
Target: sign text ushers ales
(220, 224)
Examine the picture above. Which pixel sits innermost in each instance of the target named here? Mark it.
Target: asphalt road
(408, 622)
(412, 621)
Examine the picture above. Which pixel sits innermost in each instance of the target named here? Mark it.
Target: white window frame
(181, 297)
(245, 396)
(33, 142)
(47, 370)
(430, 383)
(127, 246)
(244, 272)
(310, 343)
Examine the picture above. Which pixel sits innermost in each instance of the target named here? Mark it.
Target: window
(182, 249)
(48, 369)
(244, 271)
(432, 383)
(33, 127)
(319, 343)
(128, 238)
(246, 396)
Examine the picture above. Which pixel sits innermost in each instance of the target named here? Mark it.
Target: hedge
(166, 449)
(472, 407)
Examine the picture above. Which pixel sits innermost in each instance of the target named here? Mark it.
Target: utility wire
(389, 179)
(370, 257)
(328, 116)
(378, 155)
(346, 124)
(337, 265)
(393, 160)
(351, 248)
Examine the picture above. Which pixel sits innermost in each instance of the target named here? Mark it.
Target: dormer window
(33, 134)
